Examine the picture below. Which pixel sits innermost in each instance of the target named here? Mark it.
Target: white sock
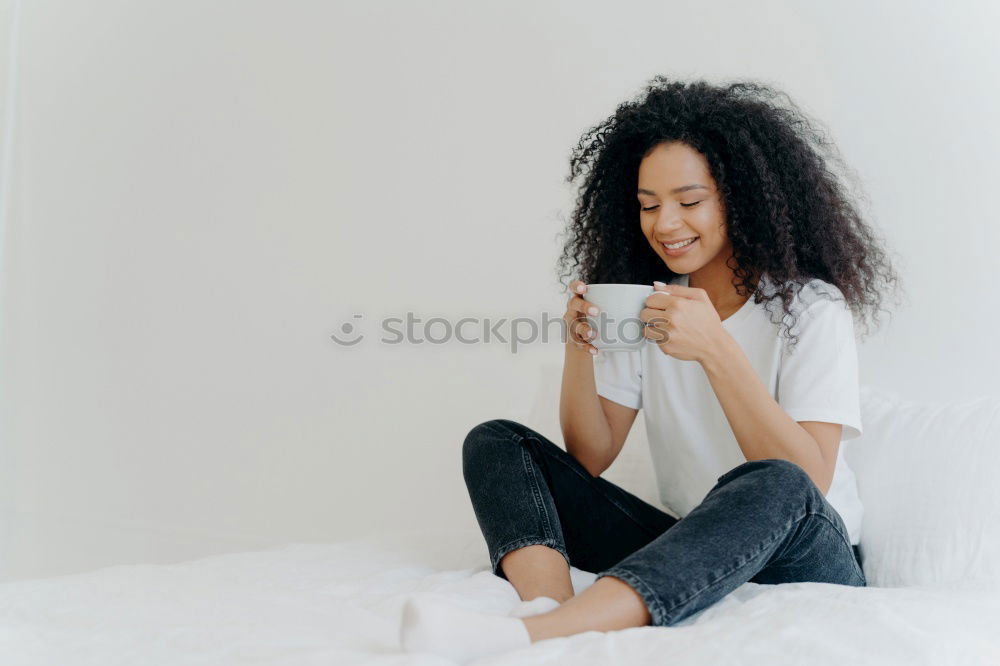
(430, 625)
(536, 606)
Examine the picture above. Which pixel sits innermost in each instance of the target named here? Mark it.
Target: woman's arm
(762, 428)
(686, 326)
(585, 428)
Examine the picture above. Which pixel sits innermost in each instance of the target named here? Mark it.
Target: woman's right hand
(579, 331)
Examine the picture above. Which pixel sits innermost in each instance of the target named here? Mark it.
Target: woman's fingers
(581, 332)
(576, 312)
(578, 306)
(579, 290)
(583, 307)
(656, 322)
(581, 327)
(648, 313)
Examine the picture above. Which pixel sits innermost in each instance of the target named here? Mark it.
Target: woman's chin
(682, 265)
(673, 262)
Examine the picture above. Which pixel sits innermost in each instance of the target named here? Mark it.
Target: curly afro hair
(787, 214)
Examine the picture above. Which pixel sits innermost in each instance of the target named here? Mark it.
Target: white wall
(197, 194)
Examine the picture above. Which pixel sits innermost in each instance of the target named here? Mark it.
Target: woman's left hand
(682, 321)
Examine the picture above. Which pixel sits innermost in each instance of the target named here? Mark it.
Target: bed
(930, 545)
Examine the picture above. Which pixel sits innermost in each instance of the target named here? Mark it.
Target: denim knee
(484, 437)
(778, 471)
(779, 483)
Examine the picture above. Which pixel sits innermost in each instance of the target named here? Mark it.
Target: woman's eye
(683, 204)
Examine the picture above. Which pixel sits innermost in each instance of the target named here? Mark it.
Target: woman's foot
(607, 605)
(438, 627)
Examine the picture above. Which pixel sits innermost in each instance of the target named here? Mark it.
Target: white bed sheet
(340, 603)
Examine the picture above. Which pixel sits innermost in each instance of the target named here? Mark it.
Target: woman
(723, 199)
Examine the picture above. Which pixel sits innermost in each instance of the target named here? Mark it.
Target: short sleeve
(618, 377)
(818, 377)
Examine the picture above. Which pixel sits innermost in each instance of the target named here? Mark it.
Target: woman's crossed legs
(764, 521)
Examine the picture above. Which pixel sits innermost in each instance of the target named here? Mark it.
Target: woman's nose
(667, 222)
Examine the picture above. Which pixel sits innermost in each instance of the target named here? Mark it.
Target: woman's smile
(677, 249)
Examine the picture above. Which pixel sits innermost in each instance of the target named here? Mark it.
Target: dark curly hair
(787, 214)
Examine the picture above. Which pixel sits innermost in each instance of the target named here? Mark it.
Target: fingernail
(659, 284)
(592, 310)
(593, 352)
(579, 288)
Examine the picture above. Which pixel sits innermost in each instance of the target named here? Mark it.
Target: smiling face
(679, 201)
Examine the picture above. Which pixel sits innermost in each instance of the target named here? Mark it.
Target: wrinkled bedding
(340, 603)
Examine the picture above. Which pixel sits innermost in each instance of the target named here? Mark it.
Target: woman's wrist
(574, 349)
(720, 353)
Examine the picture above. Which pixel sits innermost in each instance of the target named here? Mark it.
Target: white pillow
(928, 517)
(927, 476)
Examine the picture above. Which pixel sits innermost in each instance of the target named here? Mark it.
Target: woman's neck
(721, 291)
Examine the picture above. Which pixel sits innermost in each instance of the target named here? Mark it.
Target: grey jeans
(764, 521)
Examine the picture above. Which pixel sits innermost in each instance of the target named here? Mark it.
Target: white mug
(617, 325)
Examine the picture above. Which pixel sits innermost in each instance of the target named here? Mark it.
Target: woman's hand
(682, 321)
(579, 331)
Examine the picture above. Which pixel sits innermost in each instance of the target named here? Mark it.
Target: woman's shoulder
(806, 294)
(815, 303)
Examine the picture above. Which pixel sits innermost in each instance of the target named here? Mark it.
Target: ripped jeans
(764, 521)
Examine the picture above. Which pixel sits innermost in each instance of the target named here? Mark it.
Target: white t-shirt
(690, 439)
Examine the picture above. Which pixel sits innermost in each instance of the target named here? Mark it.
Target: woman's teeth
(681, 244)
